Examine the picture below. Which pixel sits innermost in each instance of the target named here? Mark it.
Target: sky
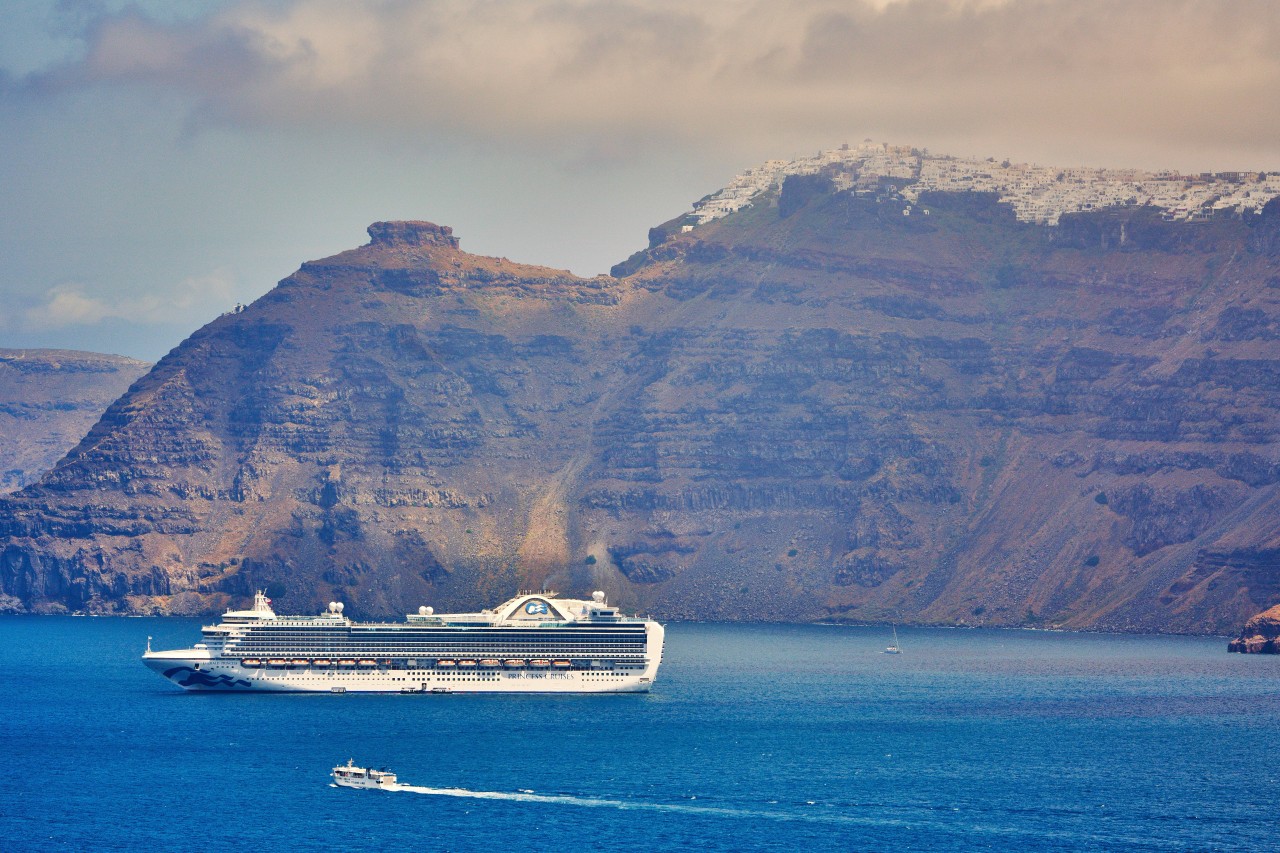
(161, 162)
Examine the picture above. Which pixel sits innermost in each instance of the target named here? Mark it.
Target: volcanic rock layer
(838, 413)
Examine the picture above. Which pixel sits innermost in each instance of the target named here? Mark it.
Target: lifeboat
(445, 663)
(299, 662)
(368, 663)
(560, 664)
(514, 662)
(251, 662)
(466, 663)
(321, 662)
(278, 663)
(540, 663)
(490, 662)
(346, 663)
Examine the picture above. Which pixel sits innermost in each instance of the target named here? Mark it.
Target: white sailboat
(893, 648)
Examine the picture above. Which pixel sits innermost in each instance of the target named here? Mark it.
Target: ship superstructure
(533, 643)
(349, 776)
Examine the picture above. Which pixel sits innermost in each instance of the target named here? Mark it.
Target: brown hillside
(840, 413)
(48, 401)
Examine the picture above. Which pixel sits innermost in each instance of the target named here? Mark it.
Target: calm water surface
(756, 738)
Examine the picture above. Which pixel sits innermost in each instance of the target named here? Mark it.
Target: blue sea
(756, 737)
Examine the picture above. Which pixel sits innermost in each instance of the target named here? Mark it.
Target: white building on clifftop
(1039, 194)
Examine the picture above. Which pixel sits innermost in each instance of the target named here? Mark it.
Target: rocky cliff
(48, 401)
(1260, 635)
(813, 408)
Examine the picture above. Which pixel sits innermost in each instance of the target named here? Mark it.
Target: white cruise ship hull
(204, 674)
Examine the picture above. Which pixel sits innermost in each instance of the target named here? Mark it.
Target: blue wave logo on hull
(194, 678)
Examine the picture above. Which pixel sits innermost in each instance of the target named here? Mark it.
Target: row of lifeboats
(486, 663)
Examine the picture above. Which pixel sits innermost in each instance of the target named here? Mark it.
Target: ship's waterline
(533, 643)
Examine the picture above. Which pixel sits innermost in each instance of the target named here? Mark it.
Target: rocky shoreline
(1260, 636)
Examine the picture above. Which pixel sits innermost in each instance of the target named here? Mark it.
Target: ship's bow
(189, 669)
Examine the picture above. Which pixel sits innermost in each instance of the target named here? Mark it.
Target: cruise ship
(534, 643)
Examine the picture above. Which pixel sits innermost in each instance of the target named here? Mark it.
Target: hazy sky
(162, 161)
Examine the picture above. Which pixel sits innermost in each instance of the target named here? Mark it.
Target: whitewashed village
(1040, 194)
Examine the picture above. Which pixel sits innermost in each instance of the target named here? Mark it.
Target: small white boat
(350, 776)
(893, 648)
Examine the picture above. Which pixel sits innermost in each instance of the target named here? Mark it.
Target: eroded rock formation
(841, 413)
(1261, 634)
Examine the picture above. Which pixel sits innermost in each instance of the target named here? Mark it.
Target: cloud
(1093, 75)
(191, 301)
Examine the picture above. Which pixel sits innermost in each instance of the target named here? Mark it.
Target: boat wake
(939, 817)
(526, 796)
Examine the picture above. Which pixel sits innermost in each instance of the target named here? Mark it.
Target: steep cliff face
(843, 413)
(48, 400)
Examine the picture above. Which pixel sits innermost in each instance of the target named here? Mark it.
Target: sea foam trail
(808, 812)
(595, 802)
(521, 797)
